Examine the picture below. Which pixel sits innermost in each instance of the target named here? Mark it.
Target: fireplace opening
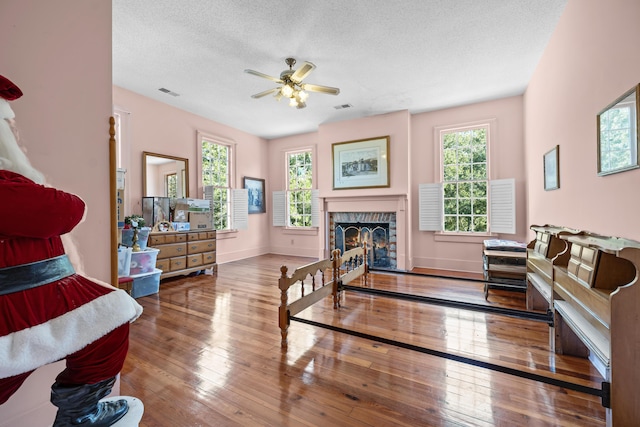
(377, 230)
(349, 236)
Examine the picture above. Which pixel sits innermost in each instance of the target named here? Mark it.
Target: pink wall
(590, 61)
(281, 239)
(396, 125)
(64, 123)
(64, 114)
(160, 128)
(506, 161)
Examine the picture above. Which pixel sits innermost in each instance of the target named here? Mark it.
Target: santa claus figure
(48, 312)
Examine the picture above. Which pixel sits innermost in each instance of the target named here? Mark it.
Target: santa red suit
(47, 311)
(45, 322)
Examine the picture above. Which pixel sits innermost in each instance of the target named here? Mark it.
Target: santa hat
(8, 92)
(11, 155)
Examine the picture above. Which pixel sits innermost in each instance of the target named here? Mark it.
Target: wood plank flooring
(206, 352)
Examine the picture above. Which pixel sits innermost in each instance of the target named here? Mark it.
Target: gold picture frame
(362, 163)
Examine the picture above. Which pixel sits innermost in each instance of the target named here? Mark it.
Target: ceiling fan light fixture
(287, 91)
(292, 86)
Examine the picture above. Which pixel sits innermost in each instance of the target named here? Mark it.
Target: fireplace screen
(376, 236)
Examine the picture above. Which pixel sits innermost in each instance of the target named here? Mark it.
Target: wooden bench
(596, 304)
(545, 251)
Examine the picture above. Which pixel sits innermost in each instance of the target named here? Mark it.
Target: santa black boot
(79, 405)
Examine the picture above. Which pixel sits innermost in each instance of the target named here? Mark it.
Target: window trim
(313, 149)
(491, 131)
(200, 138)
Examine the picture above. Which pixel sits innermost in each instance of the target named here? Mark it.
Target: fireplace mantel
(387, 203)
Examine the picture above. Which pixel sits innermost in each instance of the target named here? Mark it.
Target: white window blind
(315, 208)
(240, 203)
(430, 201)
(208, 195)
(502, 201)
(279, 208)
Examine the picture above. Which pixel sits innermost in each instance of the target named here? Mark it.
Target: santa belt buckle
(29, 276)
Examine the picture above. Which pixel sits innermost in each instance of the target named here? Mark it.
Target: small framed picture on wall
(552, 169)
(255, 188)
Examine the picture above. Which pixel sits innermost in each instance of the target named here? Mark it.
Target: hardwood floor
(206, 352)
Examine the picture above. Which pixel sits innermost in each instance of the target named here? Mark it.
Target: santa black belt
(29, 276)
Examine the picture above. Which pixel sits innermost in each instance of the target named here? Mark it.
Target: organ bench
(592, 290)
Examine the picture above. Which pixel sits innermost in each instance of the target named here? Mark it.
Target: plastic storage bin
(146, 284)
(143, 261)
(143, 236)
(124, 261)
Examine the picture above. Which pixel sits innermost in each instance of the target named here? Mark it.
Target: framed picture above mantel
(362, 163)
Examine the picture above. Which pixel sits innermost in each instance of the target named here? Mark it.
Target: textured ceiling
(384, 55)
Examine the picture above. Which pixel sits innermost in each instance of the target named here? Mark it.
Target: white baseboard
(465, 266)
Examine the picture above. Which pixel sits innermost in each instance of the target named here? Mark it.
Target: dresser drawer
(175, 238)
(201, 246)
(178, 263)
(161, 238)
(172, 250)
(163, 264)
(199, 235)
(155, 239)
(194, 260)
(208, 257)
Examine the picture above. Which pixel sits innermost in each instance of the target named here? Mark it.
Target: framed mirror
(618, 134)
(164, 176)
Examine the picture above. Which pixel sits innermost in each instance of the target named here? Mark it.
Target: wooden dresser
(184, 252)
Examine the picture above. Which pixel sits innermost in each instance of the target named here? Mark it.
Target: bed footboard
(307, 273)
(342, 269)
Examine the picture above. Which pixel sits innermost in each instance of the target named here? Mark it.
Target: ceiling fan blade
(265, 93)
(303, 71)
(266, 76)
(321, 89)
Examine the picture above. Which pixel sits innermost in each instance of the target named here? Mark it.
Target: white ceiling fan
(292, 86)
